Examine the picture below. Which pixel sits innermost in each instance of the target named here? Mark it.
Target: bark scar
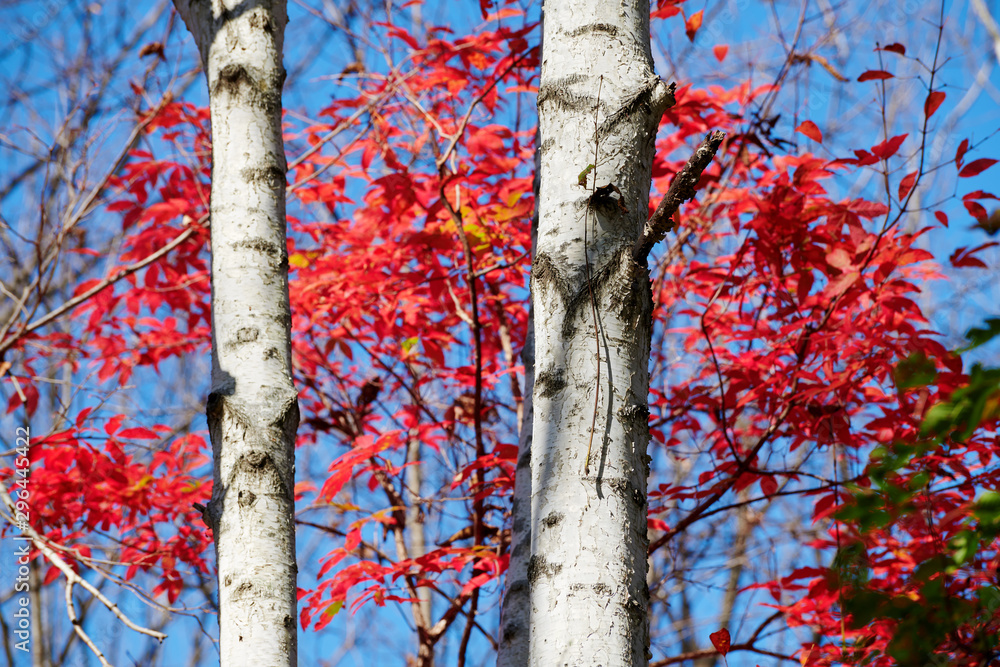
(656, 104)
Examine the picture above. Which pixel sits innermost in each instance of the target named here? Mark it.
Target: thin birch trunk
(415, 523)
(252, 408)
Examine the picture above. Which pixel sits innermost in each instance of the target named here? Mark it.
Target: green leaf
(886, 462)
(851, 565)
(962, 413)
(928, 572)
(963, 547)
(867, 509)
(989, 598)
(977, 337)
(914, 371)
(333, 609)
(582, 178)
(988, 508)
(941, 418)
(864, 606)
(919, 481)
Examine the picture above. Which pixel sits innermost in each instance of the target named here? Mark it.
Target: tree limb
(681, 189)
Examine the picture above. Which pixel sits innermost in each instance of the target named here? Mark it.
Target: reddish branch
(744, 465)
(441, 159)
(706, 652)
(477, 333)
(744, 646)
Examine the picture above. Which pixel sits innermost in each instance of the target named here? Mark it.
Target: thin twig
(80, 298)
(443, 157)
(590, 284)
(78, 626)
(71, 576)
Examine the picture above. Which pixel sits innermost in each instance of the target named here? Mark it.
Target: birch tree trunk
(252, 408)
(576, 588)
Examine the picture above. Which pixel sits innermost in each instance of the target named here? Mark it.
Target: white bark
(577, 590)
(515, 617)
(252, 408)
(415, 524)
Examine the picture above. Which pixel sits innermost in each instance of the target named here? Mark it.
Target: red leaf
(693, 23)
(906, 184)
(507, 12)
(806, 281)
(965, 262)
(841, 284)
(976, 167)
(657, 524)
(333, 485)
(138, 433)
(30, 393)
(476, 582)
(863, 159)
(51, 575)
(720, 52)
(976, 210)
(960, 153)
(720, 640)
(867, 209)
(963, 258)
(114, 424)
(875, 75)
(979, 194)
(404, 36)
(942, 218)
(932, 102)
(665, 12)
(888, 148)
(839, 258)
(809, 129)
(895, 47)
(768, 485)
(80, 418)
(353, 540)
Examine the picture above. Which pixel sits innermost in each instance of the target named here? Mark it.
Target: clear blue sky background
(36, 32)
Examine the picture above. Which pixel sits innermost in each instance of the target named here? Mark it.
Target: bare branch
(681, 189)
(72, 578)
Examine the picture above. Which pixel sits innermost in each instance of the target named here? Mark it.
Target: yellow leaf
(479, 60)
(345, 507)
